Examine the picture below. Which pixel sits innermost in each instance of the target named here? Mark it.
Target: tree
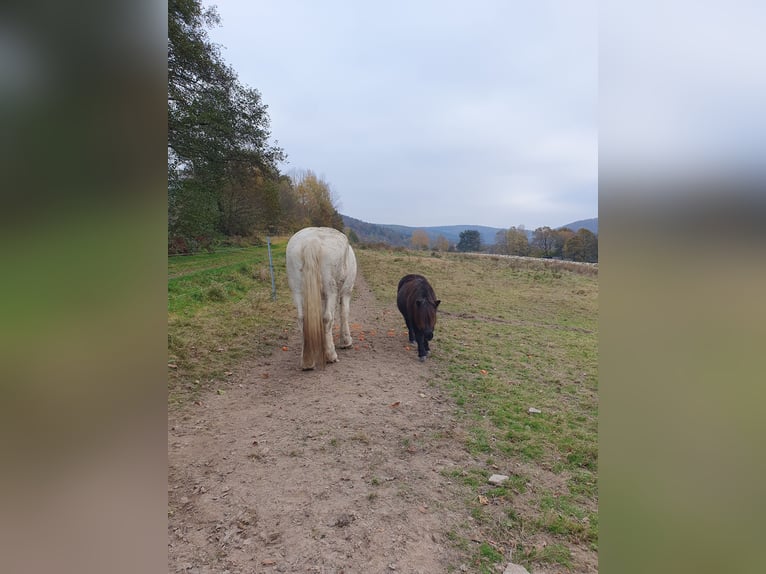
(352, 236)
(501, 242)
(315, 202)
(419, 239)
(470, 240)
(441, 243)
(248, 201)
(574, 248)
(517, 242)
(215, 126)
(543, 241)
(589, 245)
(560, 237)
(581, 246)
(192, 216)
(212, 118)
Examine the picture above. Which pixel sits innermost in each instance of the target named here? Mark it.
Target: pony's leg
(410, 331)
(422, 352)
(329, 311)
(345, 331)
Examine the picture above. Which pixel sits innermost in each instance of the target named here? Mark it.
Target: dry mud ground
(333, 471)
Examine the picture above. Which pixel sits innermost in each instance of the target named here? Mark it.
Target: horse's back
(414, 286)
(408, 279)
(330, 245)
(331, 240)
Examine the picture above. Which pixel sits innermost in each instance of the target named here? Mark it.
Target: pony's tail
(313, 325)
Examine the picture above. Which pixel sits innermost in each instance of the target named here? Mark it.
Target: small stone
(497, 479)
(515, 569)
(533, 410)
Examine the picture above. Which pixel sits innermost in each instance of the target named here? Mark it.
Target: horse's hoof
(412, 341)
(347, 346)
(311, 368)
(422, 359)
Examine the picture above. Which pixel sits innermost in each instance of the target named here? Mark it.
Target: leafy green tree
(192, 216)
(248, 201)
(470, 240)
(589, 245)
(574, 248)
(218, 129)
(581, 246)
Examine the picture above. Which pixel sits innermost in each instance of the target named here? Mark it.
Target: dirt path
(334, 471)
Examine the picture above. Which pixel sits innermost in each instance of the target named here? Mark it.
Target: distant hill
(589, 224)
(451, 232)
(401, 234)
(374, 233)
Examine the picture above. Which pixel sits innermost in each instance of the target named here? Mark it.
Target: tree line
(223, 174)
(545, 242)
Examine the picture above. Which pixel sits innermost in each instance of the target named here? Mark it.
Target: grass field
(220, 310)
(512, 334)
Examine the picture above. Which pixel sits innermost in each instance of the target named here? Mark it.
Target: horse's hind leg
(329, 310)
(345, 331)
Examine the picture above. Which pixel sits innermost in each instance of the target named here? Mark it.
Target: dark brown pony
(417, 303)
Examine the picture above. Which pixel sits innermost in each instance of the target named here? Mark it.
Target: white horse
(321, 268)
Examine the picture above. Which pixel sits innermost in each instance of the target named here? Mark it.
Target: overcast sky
(430, 113)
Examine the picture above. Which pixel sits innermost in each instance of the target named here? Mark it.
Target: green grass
(486, 557)
(510, 335)
(228, 275)
(220, 310)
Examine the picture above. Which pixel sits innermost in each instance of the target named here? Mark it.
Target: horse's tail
(313, 326)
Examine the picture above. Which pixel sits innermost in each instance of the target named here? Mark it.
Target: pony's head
(425, 316)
